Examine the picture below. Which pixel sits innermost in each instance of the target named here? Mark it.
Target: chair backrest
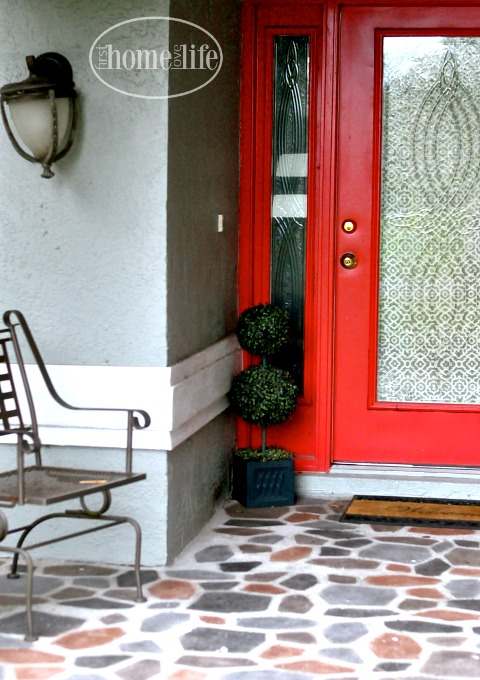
(10, 414)
(12, 401)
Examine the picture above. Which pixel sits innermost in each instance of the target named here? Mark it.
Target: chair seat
(46, 485)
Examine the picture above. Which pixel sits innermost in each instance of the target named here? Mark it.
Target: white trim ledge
(344, 481)
(180, 399)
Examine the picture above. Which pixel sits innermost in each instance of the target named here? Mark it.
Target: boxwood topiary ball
(263, 395)
(263, 330)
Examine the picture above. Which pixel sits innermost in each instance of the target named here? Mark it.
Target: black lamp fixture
(42, 110)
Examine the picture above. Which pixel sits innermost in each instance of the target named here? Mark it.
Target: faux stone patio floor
(276, 594)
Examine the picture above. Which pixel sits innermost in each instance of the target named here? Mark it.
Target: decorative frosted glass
(289, 187)
(429, 301)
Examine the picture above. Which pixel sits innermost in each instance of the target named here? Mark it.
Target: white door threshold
(346, 480)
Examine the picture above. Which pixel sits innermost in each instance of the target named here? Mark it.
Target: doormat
(413, 511)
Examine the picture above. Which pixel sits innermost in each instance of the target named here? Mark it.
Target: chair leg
(30, 635)
(138, 551)
(105, 518)
(18, 551)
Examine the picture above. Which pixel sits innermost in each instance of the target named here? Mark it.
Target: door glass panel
(429, 294)
(289, 188)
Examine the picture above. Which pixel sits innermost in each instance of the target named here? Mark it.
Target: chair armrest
(137, 419)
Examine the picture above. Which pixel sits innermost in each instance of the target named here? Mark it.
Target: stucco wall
(83, 254)
(198, 482)
(203, 168)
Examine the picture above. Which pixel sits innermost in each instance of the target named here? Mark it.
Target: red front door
(383, 167)
(407, 340)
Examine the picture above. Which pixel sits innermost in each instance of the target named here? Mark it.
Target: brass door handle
(348, 260)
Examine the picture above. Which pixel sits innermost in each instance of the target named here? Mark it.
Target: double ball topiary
(263, 394)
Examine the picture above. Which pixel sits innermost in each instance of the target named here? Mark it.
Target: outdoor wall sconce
(41, 110)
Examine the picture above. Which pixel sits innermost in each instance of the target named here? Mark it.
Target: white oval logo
(134, 57)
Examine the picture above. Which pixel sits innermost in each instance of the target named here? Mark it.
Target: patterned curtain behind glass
(289, 188)
(429, 306)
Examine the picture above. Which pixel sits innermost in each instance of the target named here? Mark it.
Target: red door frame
(262, 20)
(309, 433)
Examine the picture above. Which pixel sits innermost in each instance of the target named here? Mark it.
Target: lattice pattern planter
(260, 485)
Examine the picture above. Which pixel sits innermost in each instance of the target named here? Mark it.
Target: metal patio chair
(43, 485)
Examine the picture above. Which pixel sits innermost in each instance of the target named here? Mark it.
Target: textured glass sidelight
(289, 187)
(429, 300)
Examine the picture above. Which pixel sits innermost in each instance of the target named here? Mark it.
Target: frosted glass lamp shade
(32, 119)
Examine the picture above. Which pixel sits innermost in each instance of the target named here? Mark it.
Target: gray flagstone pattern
(285, 593)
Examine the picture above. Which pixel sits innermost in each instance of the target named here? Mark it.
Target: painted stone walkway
(276, 594)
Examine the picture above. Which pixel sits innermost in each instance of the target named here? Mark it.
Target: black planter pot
(261, 485)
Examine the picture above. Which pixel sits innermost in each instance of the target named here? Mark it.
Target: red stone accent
(186, 674)
(213, 619)
(279, 651)
(402, 581)
(394, 646)
(264, 588)
(18, 656)
(312, 666)
(447, 615)
(291, 554)
(465, 571)
(172, 589)
(428, 593)
(441, 532)
(301, 517)
(37, 672)
(89, 638)
(398, 567)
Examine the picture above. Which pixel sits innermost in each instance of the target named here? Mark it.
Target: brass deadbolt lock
(348, 260)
